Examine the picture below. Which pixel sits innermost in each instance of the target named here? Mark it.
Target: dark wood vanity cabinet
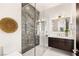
(60, 43)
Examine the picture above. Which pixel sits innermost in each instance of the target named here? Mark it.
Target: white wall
(11, 41)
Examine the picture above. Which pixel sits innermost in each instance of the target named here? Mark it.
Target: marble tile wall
(29, 37)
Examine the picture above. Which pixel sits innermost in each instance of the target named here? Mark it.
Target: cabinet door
(55, 43)
(61, 43)
(69, 44)
(50, 42)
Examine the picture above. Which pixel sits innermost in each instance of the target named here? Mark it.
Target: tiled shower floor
(41, 51)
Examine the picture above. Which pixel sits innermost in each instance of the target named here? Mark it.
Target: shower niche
(30, 15)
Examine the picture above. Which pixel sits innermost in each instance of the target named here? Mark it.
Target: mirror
(61, 24)
(8, 25)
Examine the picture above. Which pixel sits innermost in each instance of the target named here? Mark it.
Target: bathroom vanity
(61, 43)
(62, 34)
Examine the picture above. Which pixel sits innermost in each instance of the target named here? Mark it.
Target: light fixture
(8, 25)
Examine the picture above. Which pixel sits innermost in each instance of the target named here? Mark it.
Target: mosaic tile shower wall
(29, 17)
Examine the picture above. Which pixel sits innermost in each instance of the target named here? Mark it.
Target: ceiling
(44, 6)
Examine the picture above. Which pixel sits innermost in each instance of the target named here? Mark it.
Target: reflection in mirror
(55, 25)
(61, 25)
(67, 26)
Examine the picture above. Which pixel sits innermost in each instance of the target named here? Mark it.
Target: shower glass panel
(41, 29)
(29, 38)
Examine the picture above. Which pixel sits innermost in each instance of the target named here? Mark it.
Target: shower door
(29, 37)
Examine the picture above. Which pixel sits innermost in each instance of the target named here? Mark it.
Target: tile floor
(42, 51)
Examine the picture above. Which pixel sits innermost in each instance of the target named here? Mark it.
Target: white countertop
(62, 37)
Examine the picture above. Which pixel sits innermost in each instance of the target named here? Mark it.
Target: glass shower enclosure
(30, 24)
